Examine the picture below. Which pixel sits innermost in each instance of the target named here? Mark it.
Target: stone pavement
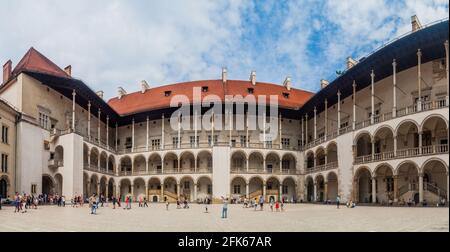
(299, 217)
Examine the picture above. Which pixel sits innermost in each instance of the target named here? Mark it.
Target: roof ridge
(26, 64)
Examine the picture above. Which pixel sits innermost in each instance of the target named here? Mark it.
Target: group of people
(184, 202)
(22, 202)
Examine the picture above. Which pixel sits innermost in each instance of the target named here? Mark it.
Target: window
(175, 141)
(4, 163)
(250, 90)
(285, 142)
(233, 142)
(321, 135)
(193, 141)
(167, 93)
(33, 188)
(286, 95)
(128, 142)
(269, 144)
(4, 134)
(344, 124)
(156, 144)
(243, 140)
(210, 143)
(237, 189)
(205, 89)
(209, 189)
(43, 120)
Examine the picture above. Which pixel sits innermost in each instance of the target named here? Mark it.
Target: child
(277, 206)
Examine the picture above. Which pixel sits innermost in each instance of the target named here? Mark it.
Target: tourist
(130, 200)
(282, 205)
(186, 206)
(277, 206)
(338, 201)
(254, 204)
(167, 205)
(114, 202)
(178, 204)
(140, 201)
(271, 204)
(92, 204)
(224, 207)
(126, 203)
(63, 201)
(145, 202)
(206, 206)
(261, 202)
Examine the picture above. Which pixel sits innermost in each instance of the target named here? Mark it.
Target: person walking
(167, 205)
(277, 206)
(140, 201)
(261, 202)
(114, 201)
(126, 203)
(338, 201)
(92, 204)
(271, 205)
(224, 207)
(145, 202)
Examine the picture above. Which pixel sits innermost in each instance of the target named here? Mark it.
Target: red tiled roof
(35, 61)
(155, 98)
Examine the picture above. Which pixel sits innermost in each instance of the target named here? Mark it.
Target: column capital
(394, 63)
(446, 43)
(419, 53)
(354, 84)
(315, 109)
(339, 93)
(372, 74)
(89, 103)
(73, 92)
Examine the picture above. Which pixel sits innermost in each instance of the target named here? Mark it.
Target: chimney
(144, 86)
(351, 62)
(287, 83)
(415, 23)
(100, 94)
(224, 75)
(253, 77)
(68, 70)
(323, 84)
(7, 69)
(121, 92)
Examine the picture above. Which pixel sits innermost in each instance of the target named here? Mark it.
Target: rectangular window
(344, 124)
(128, 142)
(243, 140)
(210, 140)
(237, 189)
(269, 144)
(285, 142)
(43, 120)
(4, 134)
(33, 188)
(156, 144)
(175, 142)
(4, 163)
(192, 141)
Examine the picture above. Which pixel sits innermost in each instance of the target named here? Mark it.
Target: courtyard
(297, 218)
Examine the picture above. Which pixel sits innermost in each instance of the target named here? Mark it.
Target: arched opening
(4, 187)
(332, 187)
(125, 165)
(154, 189)
(204, 162)
(187, 162)
(272, 162)
(85, 155)
(139, 189)
(140, 165)
(310, 160)
(111, 188)
(59, 184)
(94, 158)
(111, 164)
(434, 133)
(238, 188)
(103, 161)
(125, 189)
(93, 185)
(288, 164)
(384, 186)
(103, 184)
(155, 164)
(289, 192)
(204, 189)
(238, 161)
(320, 156)
(332, 157)
(407, 138)
(273, 189)
(256, 162)
(170, 163)
(320, 187)
(59, 156)
(384, 143)
(309, 189)
(48, 185)
(255, 186)
(187, 189)
(408, 182)
(363, 145)
(435, 181)
(363, 180)
(170, 189)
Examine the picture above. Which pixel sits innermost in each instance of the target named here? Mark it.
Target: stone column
(281, 192)
(98, 188)
(395, 188)
(132, 135)
(420, 142)
(132, 192)
(162, 193)
(373, 147)
(178, 190)
(146, 191)
(326, 190)
(315, 123)
(264, 192)
(419, 80)
(73, 110)
(162, 131)
(247, 140)
(339, 112)
(354, 106)
(372, 97)
(306, 128)
(421, 188)
(247, 190)
(264, 165)
(374, 190)
(326, 119)
(394, 89)
(315, 192)
(89, 121)
(395, 145)
(195, 193)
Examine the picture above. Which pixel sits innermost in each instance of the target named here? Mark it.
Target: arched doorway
(255, 162)
(363, 145)
(309, 189)
(384, 143)
(238, 161)
(408, 181)
(170, 163)
(204, 188)
(255, 185)
(384, 178)
(204, 162)
(289, 192)
(288, 164)
(125, 165)
(187, 162)
(154, 164)
(332, 187)
(320, 188)
(48, 185)
(139, 189)
(238, 188)
(59, 184)
(272, 162)
(187, 188)
(4, 187)
(140, 165)
(170, 189)
(435, 181)
(363, 180)
(154, 189)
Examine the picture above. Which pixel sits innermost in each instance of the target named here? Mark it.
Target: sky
(112, 43)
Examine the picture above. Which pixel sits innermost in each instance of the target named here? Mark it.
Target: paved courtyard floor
(299, 217)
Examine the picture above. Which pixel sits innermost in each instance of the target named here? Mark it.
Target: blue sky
(119, 43)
